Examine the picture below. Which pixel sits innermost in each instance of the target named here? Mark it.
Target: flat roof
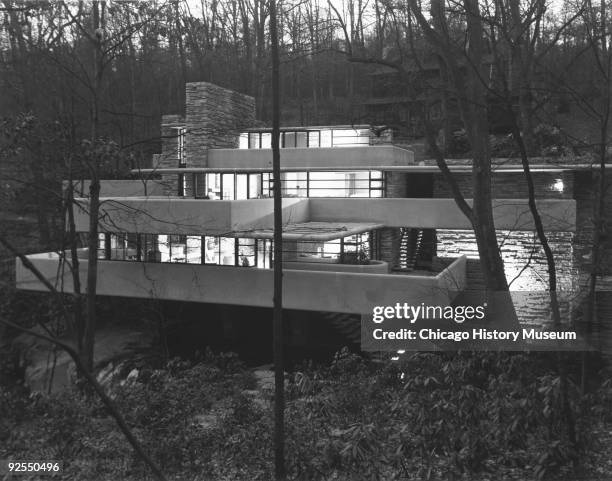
(256, 170)
(315, 231)
(388, 168)
(310, 127)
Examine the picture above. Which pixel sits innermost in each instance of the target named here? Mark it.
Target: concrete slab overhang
(375, 157)
(426, 166)
(340, 158)
(312, 231)
(172, 215)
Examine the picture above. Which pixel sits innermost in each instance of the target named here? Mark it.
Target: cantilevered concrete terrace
(172, 215)
(316, 290)
(378, 157)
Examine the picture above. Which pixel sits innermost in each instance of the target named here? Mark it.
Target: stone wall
(512, 185)
(396, 185)
(214, 118)
(572, 251)
(403, 185)
(169, 157)
(522, 254)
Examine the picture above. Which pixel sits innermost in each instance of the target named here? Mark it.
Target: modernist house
(365, 223)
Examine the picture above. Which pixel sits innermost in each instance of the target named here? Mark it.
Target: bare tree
(83, 370)
(467, 85)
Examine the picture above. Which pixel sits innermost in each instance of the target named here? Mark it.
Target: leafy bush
(459, 143)
(502, 146)
(550, 140)
(427, 416)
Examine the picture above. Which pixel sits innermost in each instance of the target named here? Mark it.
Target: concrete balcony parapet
(379, 157)
(372, 267)
(510, 214)
(334, 291)
(172, 215)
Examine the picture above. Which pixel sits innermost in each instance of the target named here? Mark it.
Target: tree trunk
(94, 192)
(467, 86)
(279, 367)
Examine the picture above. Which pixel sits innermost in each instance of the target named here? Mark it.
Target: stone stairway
(410, 243)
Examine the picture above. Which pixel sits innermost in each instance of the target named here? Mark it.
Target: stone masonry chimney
(214, 118)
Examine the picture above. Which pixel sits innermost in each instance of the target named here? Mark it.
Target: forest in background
(84, 86)
(59, 90)
(330, 53)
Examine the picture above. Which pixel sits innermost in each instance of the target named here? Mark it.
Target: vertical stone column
(169, 157)
(390, 237)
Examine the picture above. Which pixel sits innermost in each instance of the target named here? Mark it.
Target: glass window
(328, 184)
(163, 245)
(227, 251)
(350, 137)
(228, 187)
(254, 186)
(266, 186)
(266, 140)
(331, 249)
(133, 252)
(118, 244)
(211, 250)
(264, 253)
(253, 140)
(301, 139)
(200, 186)
(288, 139)
(101, 246)
(194, 249)
(313, 251)
(243, 141)
(181, 185)
(351, 183)
(326, 138)
(242, 186)
(356, 248)
(213, 186)
(314, 138)
(294, 184)
(246, 252)
(337, 184)
(187, 184)
(150, 247)
(181, 147)
(177, 248)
